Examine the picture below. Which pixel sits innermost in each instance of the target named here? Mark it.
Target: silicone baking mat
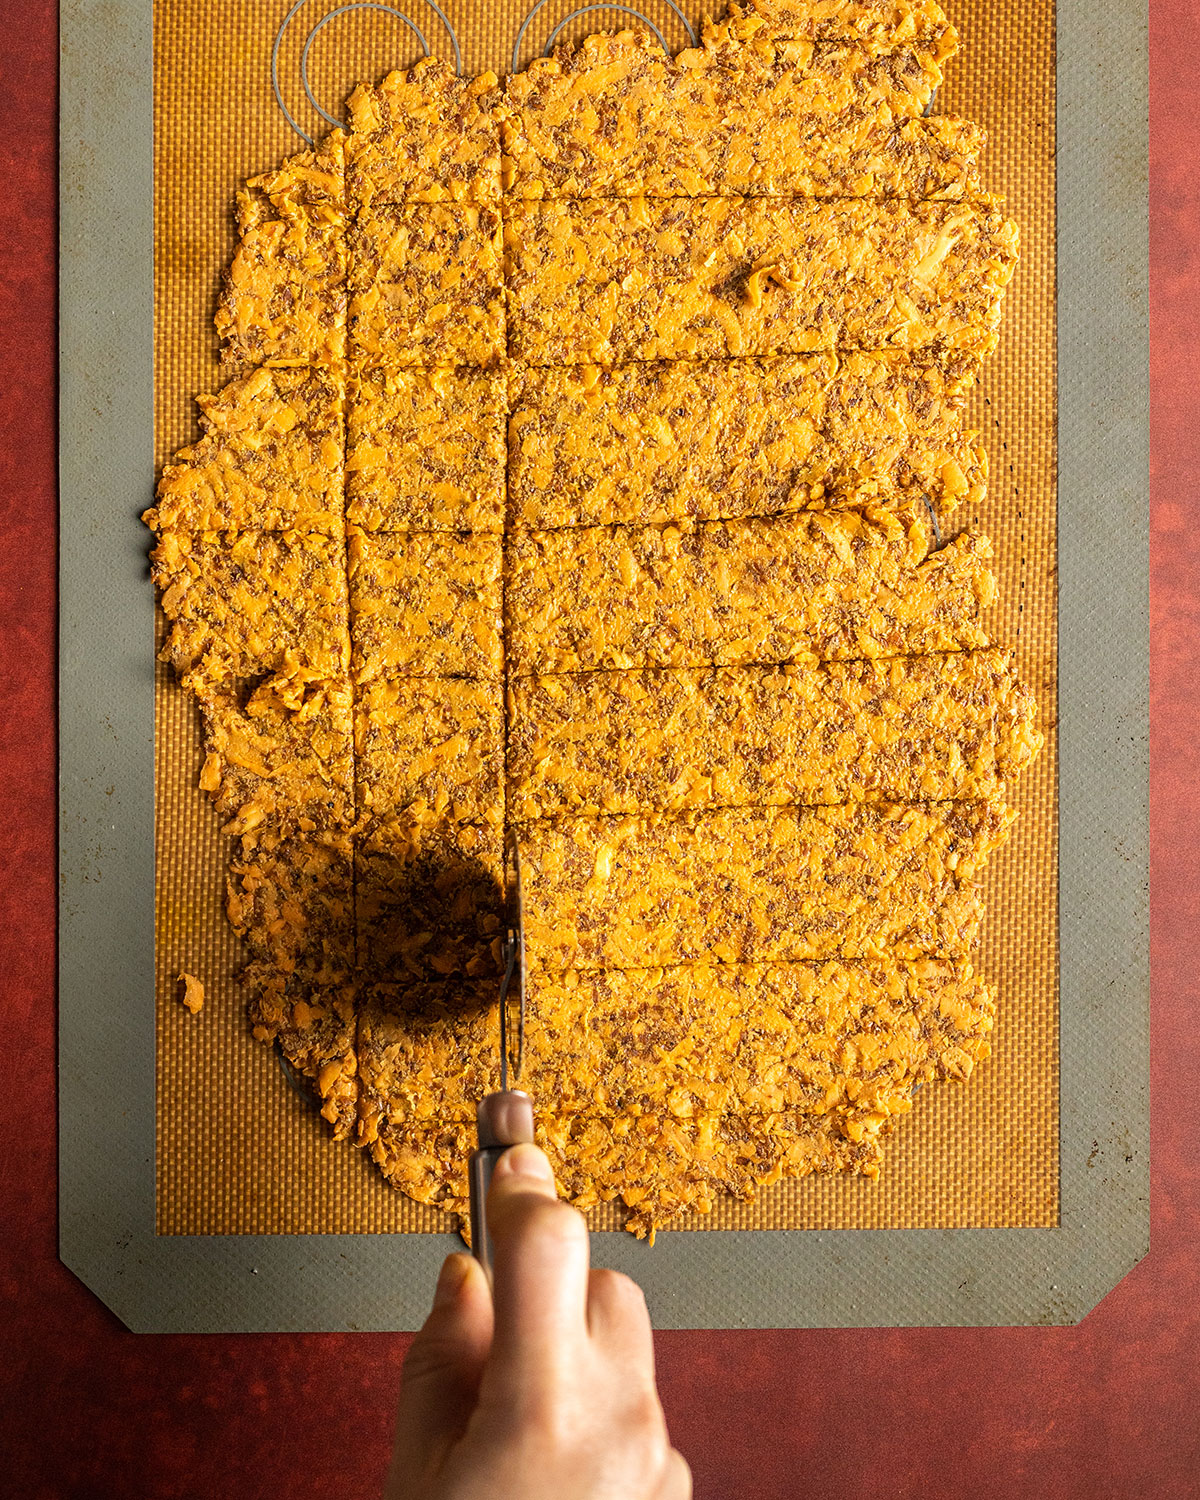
(740, 1278)
(238, 1150)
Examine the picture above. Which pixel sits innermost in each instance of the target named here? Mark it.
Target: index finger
(539, 1269)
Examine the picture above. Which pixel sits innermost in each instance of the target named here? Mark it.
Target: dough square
(430, 899)
(292, 901)
(427, 604)
(426, 285)
(428, 1051)
(430, 748)
(281, 756)
(253, 604)
(424, 136)
(426, 450)
(284, 300)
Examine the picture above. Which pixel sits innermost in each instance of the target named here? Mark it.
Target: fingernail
(455, 1270)
(527, 1162)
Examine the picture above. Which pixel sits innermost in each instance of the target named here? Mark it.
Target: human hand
(542, 1388)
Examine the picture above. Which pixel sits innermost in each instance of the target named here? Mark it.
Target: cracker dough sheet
(597, 456)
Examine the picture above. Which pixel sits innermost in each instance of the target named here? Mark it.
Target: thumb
(440, 1381)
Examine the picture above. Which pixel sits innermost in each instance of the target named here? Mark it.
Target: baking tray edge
(731, 1279)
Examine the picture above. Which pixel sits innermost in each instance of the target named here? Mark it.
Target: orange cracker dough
(429, 899)
(424, 136)
(310, 186)
(426, 285)
(284, 301)
(427, 1051)
(882, 22)
(657, 1166)
(714, 440)
(292, 900)
(432, 748)
(271, 458)
(426, 450)
(617, 117)
(253, 603)
(749, 885)
(585, 447)
(815, 586)
(603, 281)
(282, 757)
(426, 603)
(315, 1029)
(844, 1038)
(905, 729)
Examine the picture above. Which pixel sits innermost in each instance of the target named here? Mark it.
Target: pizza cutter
(504, 1118)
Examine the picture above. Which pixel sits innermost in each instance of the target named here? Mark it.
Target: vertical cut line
(346, 379)
(347, 386)
(506, 374)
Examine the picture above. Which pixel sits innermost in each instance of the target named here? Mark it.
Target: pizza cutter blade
(504, 1118)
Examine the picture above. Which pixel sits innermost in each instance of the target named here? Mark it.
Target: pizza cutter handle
(504, 1120)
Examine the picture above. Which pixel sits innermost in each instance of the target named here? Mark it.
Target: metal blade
(512, 1005)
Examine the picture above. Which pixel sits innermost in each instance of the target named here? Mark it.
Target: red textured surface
(89, 1410)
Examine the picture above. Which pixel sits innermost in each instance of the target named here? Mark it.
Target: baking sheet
(281, 1191)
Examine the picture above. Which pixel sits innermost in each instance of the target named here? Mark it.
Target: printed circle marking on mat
(584, 10)
(320, 26)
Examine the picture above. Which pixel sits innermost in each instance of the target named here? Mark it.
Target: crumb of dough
(617, 117)
(292, 901)
(250, 604)
(426, 450)
(284, 299)
(745, 885)
(309, 186)
(271, 458)
(425, 603)
(281, 757)
(903, 729)
(718, 440)
(604, 281)
(429, 899)
(816, 586)
(192, 997)
(424, 136)
(426, 286)
(430, 748)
